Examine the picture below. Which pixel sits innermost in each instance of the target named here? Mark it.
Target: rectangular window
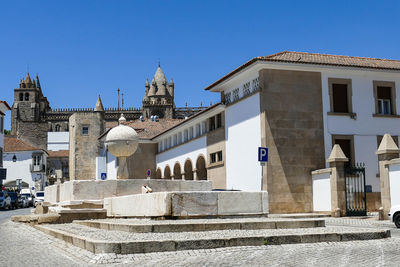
(203, 127)
(85, 130)
(340, 93)
(211, 123)
(384, 100)
(236, 94)
(219, 120)
(186, 135)
(340, 101)
(213, 157)
(159, 146)
(219, 156)
(175, 140)
(227, 98)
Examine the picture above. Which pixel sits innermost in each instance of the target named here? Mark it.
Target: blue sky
(84, 48)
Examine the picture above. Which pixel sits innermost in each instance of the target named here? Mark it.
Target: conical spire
(387, 145)
(99, 105)
(337, 154)
(28, 79)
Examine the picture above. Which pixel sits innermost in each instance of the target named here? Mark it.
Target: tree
(7, 132)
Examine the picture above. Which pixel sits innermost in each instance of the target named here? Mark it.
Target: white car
(394, 215)
(39, 198)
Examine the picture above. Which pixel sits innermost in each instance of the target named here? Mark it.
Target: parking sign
(263, 154)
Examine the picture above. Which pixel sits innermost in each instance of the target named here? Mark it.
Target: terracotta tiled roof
(13, 144)
(58, 154)
(111, 124)
(319, 59)
(188, 119)
(147, 129)
(6, 104)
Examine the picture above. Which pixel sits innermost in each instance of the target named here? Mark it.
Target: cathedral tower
(27, 113)
(159, 96)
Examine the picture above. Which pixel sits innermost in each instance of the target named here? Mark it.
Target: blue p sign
(263, 154)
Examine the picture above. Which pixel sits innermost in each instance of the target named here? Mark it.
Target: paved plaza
(25, 246)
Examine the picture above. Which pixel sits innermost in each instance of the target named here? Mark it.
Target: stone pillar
(387, 150)
(195, 174)
(336, 161)
(183, 176)
(122, 169)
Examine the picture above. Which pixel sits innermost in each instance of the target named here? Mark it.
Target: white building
(298, 105)
(24, 163)
(4, 107)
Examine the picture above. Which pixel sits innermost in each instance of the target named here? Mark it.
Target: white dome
(122, 141)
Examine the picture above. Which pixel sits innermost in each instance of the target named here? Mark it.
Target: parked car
(14, 199)
(394, 215)
(39, 197)
(24, 203)
(5, 200)
(27, 193)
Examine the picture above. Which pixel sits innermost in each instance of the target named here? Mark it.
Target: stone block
(52, 193)
(194, 204)
(143, 205)
(236, 203)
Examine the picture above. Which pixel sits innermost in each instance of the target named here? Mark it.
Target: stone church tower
(28, 112)
(159, 96)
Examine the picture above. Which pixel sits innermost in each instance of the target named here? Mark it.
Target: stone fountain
(122, 141)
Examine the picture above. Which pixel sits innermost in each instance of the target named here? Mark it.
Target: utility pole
(118, 98)
(122, 100)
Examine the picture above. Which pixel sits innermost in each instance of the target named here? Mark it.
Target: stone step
(194, 225)
(299, 215)
(119, 242)
(61, 216)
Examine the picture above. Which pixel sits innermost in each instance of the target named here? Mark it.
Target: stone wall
(34, 133)
(142, 160)
(84, 148)
(292, 129)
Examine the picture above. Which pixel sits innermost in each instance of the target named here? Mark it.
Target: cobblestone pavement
(29, 247)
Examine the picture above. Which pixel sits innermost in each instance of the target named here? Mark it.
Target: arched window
(167, 173)
(58, 127)
(26, 96)
(177, 171)
(21, 97)
(188, 170)
(201, 168)
(158, 173)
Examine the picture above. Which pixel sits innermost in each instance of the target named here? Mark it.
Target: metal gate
(356, 196)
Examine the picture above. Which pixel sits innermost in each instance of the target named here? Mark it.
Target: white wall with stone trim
(364, 127)
(243, 137)
(190, 150)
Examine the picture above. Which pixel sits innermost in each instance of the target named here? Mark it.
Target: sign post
(103, 176)
(262, 158)
(148, 173)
